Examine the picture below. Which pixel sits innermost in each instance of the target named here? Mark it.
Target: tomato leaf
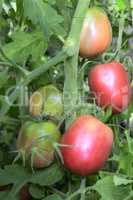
(121, 181)
(3, 78)
(53, 197)
(106, 188)
(49, 176)
(36, 192)
(12, 174)
(24, 45)
(120, 4)
(43, 14)
(1, 4)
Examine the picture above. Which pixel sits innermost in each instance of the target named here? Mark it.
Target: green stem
(40, 70)
(120, 34)
(73, 195)
(83, 185)
(131, 3)
(34, 74)
(71, 64)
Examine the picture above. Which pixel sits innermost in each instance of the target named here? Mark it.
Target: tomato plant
(110, 85)
(47, 48)
(37, 141)
(96, 34)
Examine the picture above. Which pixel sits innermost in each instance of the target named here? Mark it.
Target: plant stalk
(70, 93)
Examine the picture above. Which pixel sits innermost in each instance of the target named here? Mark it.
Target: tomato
(86, 145)
(110, 85)
(47, 100)
(96, 33)
(24, 193)
(38, 139)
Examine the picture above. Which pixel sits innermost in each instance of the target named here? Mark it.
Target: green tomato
(46, 101)
(37, 140)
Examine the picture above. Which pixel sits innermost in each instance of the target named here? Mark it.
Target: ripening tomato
(24, 193)
(86, 145)
(96, 33)
(37, 139)
(47, 100)
(110, 85)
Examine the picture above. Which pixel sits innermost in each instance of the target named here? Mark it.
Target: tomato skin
(90, 145)
(96, 33)
(110, 85)
(40, 136)
(46, 100)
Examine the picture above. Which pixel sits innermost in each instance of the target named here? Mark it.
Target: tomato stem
(120, 34)
(71, 64)
(83, 185)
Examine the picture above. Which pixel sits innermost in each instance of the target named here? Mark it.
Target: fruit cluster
(87, 143)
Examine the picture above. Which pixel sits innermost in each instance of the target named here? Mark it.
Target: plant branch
(54, 61)
(120, 34)
(83, 185)
(70, 92)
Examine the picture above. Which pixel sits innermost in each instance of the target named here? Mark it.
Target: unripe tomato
(96, 33)
(38, 138)
(47, 100)
(86, 145)
(110, 85)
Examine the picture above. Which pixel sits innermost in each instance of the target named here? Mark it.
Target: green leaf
(43, 14)
(121, 181)
(1, 4)
(3, 78)
(120, 4)
(49, 176)
(107, 189)
(16, 175)
(53, 197)
(13, 174)
(3, 195)
(36, 192)
(25, 44)
(124, 157)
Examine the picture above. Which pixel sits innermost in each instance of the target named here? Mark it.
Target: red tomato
(110, 85)
(96, 34)
(87, 145)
